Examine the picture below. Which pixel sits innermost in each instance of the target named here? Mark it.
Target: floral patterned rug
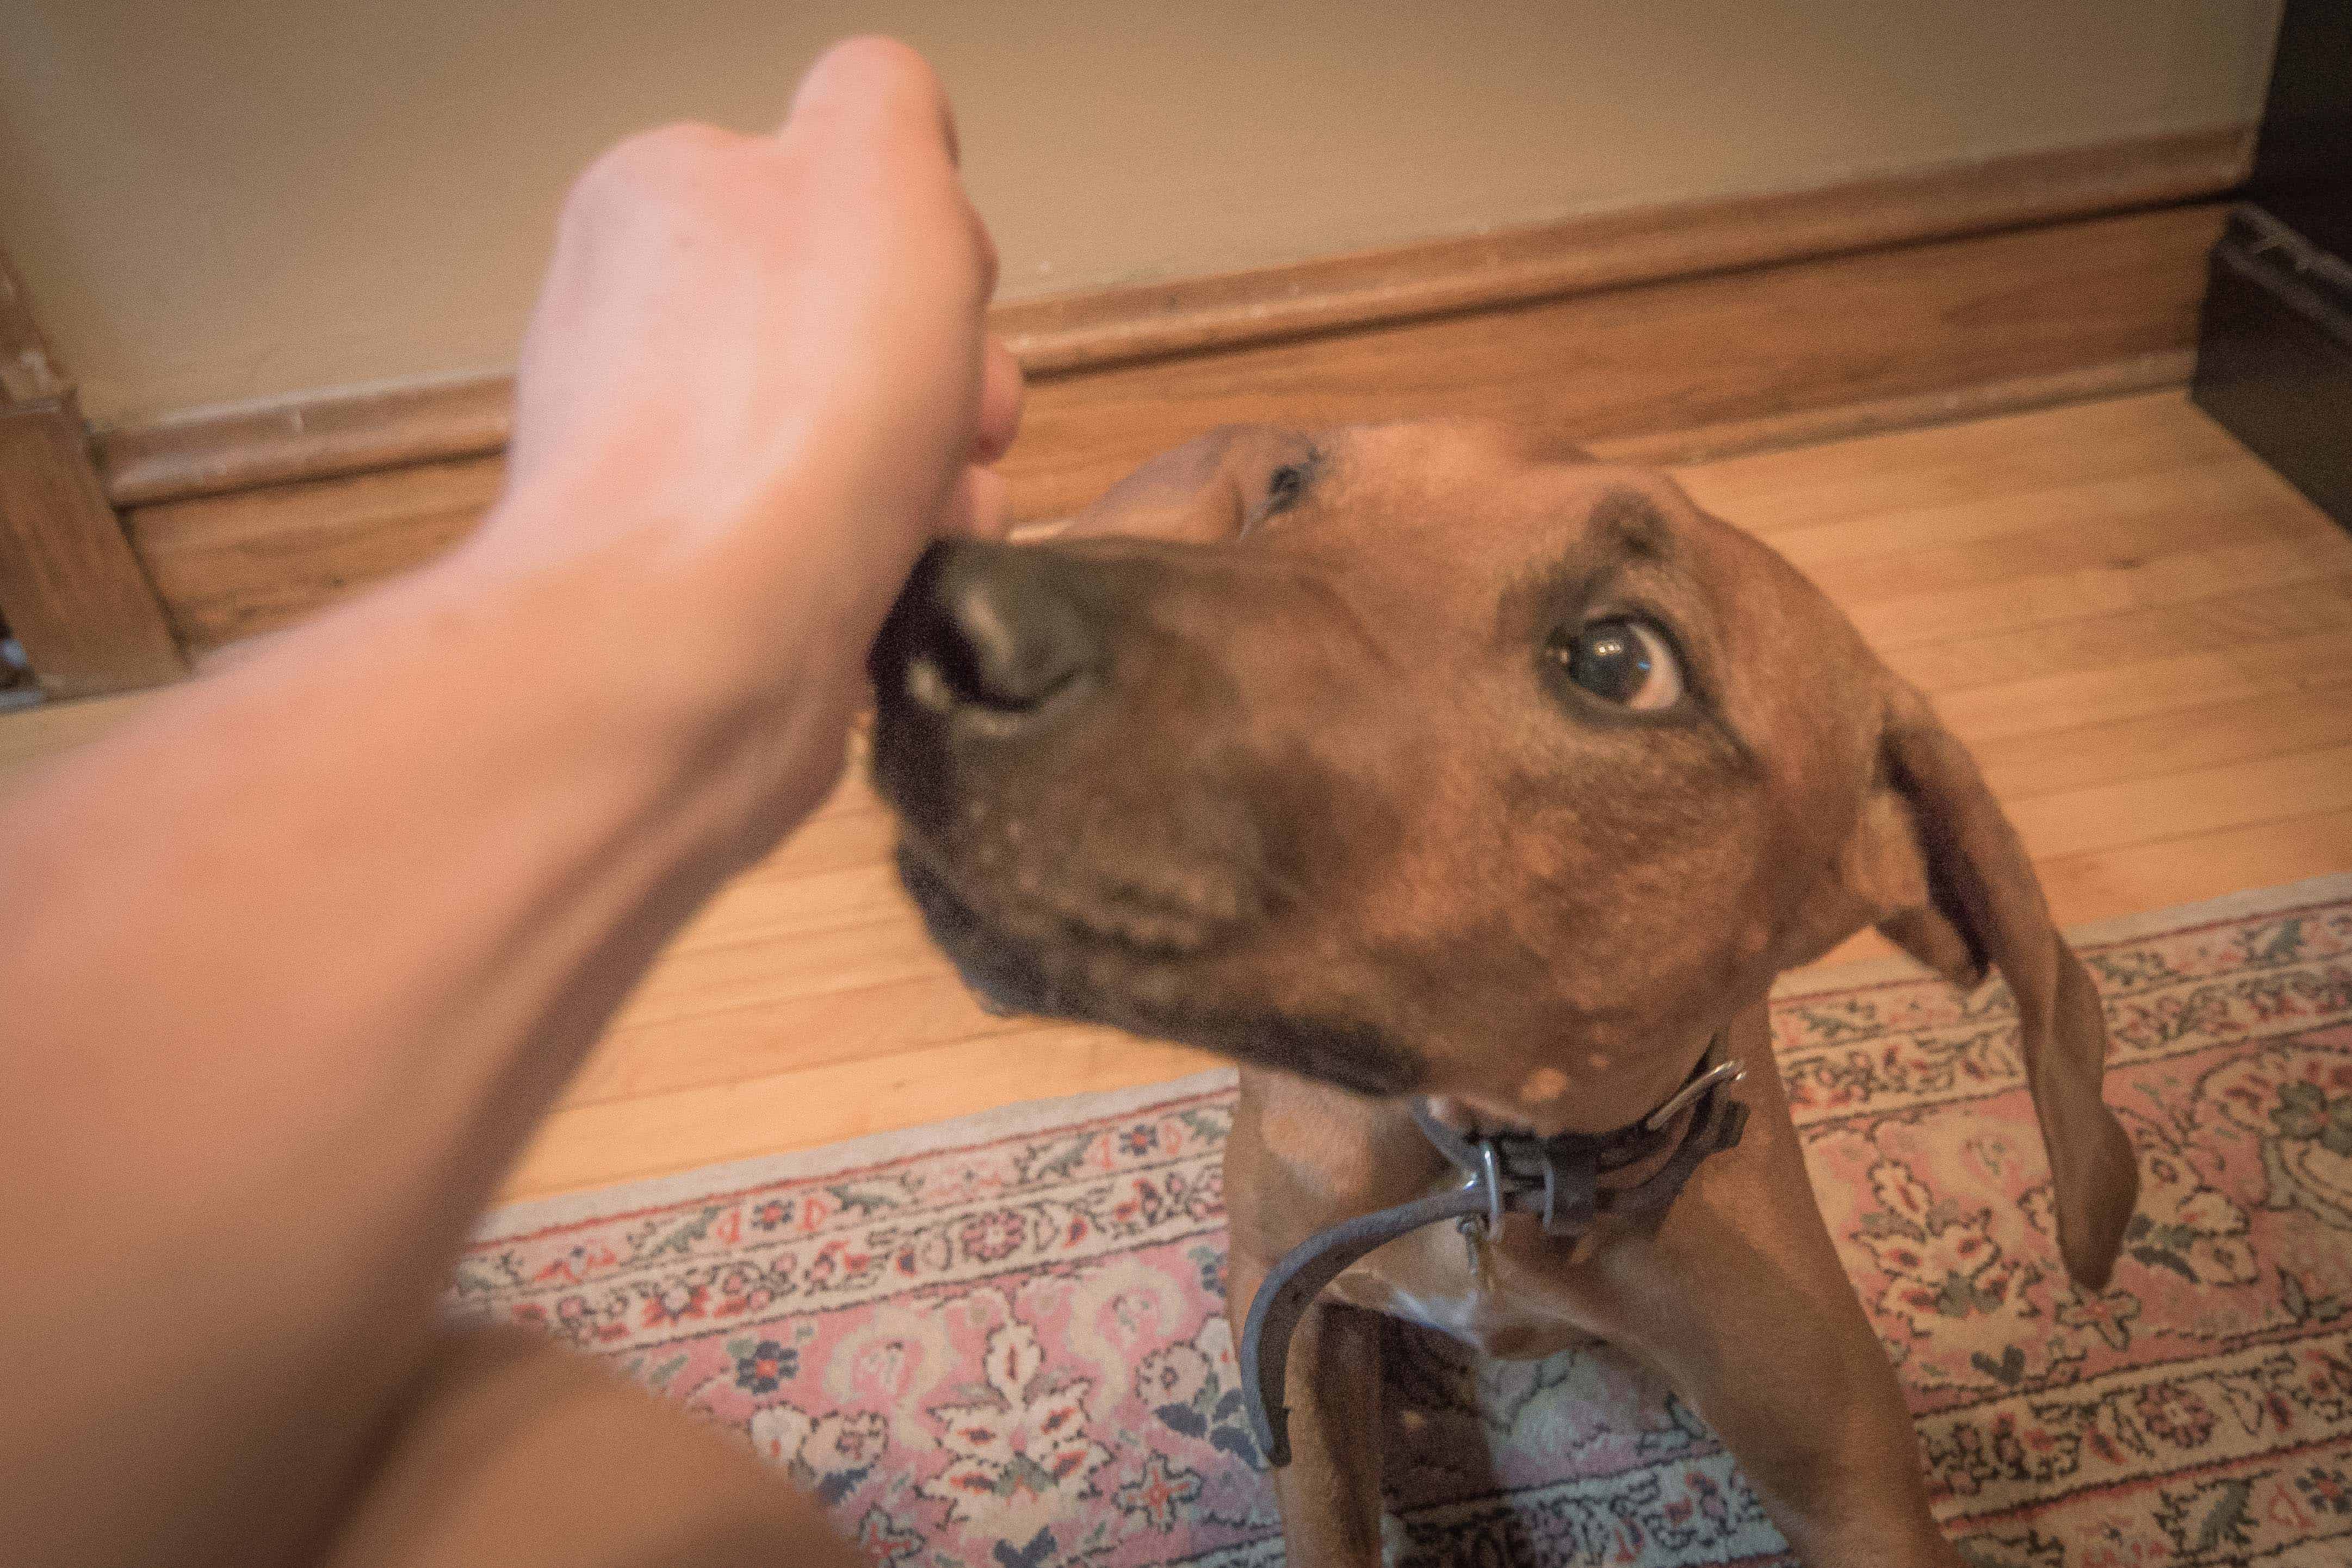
(1003, 1342)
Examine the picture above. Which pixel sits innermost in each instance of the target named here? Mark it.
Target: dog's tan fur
(1319, 812)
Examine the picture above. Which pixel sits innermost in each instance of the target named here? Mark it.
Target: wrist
(677, 650)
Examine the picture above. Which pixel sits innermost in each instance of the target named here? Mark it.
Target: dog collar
(1557, 1178)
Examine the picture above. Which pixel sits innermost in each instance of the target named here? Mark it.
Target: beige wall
(218, 200)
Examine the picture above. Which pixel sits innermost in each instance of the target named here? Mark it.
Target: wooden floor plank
(2042, 599)
(2101, 884)
(2128, 812)
(722, 1044)
(2077, 699)
(1983, 459)
(2230, 617)
(2181, 501)
(2052, 548)
(590, 1145)
(30, 735)
(2302, 717)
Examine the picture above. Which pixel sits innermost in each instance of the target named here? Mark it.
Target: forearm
(296, 961)
(290, 966)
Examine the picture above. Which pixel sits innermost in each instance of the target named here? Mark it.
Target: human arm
(297, 957)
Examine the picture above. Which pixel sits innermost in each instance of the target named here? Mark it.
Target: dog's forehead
(1497, 505)
(1469, 513)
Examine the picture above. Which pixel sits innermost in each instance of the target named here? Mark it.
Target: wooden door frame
(72, 591)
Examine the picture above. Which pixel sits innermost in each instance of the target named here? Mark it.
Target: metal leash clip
(1490, 1176)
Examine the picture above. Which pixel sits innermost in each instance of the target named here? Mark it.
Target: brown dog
(1408, 761)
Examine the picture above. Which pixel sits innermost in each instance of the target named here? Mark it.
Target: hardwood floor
(2143, 633)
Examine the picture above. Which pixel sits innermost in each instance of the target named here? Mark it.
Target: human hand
(761, 361)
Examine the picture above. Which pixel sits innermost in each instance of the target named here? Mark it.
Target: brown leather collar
(1560, 1177)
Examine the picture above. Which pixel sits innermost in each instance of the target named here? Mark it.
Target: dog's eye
(1284, 486)
(1621, 660)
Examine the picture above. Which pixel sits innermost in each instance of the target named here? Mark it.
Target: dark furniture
(2275, 356)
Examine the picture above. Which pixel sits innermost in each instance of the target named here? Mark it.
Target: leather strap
(1291, 1287)
(1557, 1178)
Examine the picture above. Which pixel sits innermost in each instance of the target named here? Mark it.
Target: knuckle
(872, 80)
(878, 55)
(654, 159)
(984, 248)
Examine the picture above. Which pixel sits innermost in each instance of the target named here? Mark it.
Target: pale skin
(295, 961)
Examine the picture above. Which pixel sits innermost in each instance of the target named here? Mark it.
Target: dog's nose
(987, 626)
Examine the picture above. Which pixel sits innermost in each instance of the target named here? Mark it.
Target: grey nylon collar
(1557, 1178)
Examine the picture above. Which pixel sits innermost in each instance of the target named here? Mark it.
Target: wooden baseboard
(324, 435)
(1616, 250)
(237, 565)
(328, 434)
(1791, 344)
(1700, 327)
(1837, 421)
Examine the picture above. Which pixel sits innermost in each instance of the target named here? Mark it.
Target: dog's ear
(1204, 492)
(1944, 876)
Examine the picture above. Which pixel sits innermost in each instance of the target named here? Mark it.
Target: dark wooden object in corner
(2274, 355)
(71, 592)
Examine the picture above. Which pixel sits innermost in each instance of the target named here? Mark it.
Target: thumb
(874, 90)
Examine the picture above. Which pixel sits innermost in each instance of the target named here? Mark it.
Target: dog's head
(1412, 760)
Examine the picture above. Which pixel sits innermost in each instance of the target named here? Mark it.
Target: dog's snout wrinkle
(1318, 586)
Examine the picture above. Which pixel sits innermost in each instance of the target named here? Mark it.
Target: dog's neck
(1564, 1181)
(1599, 1097)
(1647, 1139)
